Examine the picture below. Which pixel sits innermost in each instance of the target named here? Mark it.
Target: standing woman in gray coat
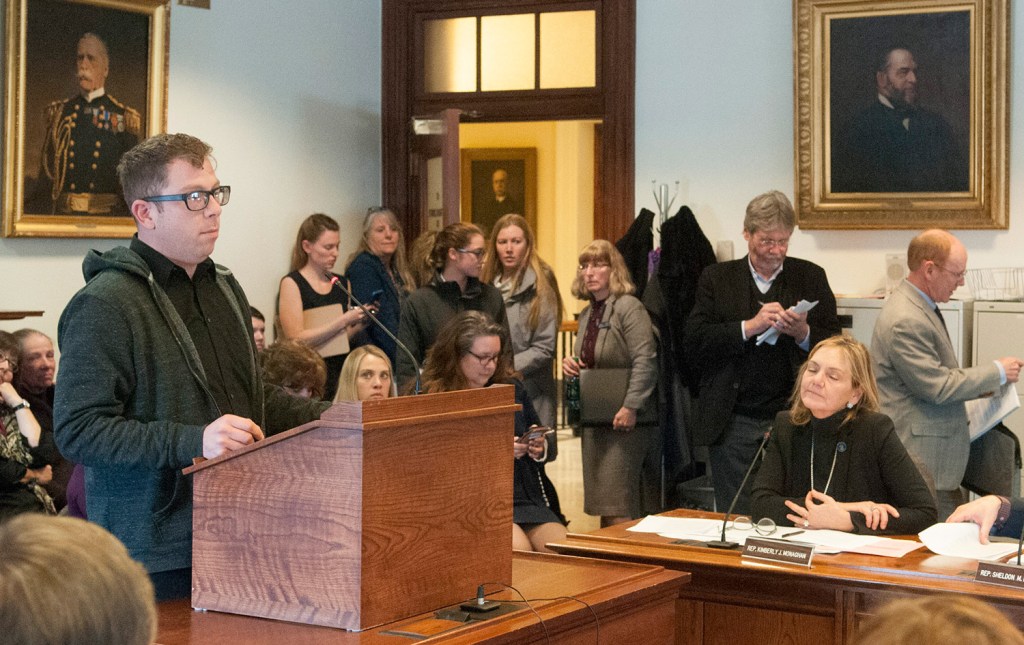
(620, 469)
(532, 304)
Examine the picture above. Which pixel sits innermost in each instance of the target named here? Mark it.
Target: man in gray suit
(921, 386)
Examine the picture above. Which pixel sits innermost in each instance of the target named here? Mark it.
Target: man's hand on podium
(229, 432)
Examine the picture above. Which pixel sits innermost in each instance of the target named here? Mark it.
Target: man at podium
(158, 363)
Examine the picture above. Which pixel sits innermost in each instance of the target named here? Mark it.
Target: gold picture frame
(52, 137)
(479, 166)
(949, 165)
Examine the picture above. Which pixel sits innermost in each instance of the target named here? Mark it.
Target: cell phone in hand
(533, 433)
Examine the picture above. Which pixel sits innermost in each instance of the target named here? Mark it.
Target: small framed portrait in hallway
(498, 181)
(901, 114)
(87, 80)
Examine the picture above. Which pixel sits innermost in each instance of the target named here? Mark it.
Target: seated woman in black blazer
(834, 461)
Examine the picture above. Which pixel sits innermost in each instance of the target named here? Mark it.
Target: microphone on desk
(722, 543)
(336, 281)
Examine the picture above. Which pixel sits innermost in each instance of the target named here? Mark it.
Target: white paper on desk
(772, 334)
(888, 547)
(678, 526)
(960, 540)
(833, 539)
(984, 414)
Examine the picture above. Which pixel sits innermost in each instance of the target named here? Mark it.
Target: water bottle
(572, 398)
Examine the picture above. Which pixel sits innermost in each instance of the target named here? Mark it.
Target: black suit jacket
(715, 339)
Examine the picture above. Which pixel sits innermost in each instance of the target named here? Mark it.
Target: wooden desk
(626, 598)
(732, 601)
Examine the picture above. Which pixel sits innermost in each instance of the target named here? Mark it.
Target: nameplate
(779, 551)
(997, 573)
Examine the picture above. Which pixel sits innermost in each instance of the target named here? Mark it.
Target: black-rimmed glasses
(195, 200)
(491, 359)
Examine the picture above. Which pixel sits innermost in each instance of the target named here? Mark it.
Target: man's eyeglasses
(490, 359)
(767, 243)
(479, 253)
(195, 200)
(958, 275)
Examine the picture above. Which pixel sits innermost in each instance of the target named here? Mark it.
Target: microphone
(722, 543)
(337, 282)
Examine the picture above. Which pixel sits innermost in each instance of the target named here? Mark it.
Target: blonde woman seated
(834, 461)
(467, 354)
(366, 375)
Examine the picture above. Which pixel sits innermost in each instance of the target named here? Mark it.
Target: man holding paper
(745, 383)
(922, 387)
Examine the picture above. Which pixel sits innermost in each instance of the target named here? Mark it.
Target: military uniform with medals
(84, 143)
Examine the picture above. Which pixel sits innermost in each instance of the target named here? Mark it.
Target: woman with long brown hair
(310, 285)
(468, 354)
(532, 304)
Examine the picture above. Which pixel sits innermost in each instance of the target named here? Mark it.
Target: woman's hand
(9, 394)
(518, 448)
(571, 366)
(625, 419)
(819, 512)
(876, 516)
(538, 448)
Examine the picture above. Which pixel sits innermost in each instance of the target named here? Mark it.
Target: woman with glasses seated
(25, 451)
(310, 285)
(295, 368)
(621, 464)
(470, 353)
(833, 460)
(456, 258)
(367, 375)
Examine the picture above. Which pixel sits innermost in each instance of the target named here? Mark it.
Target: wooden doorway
(611, 100)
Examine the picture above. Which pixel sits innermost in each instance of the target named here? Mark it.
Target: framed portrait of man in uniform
(901, 114)
(86, 81)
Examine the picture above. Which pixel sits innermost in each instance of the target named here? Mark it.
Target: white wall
(714, 110)
(288, 95)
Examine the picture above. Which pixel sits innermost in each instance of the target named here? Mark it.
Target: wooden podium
(378, 511)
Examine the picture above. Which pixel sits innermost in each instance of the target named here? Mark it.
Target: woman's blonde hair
(603, 251)
(65, 580)
(862, 376)
(348, 389)
(399, 264)
(441, 369)
(546, 285)
(937, 619)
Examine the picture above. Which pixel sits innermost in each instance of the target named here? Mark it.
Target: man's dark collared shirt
(221, 340)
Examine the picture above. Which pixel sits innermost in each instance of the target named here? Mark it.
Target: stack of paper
(961, 540)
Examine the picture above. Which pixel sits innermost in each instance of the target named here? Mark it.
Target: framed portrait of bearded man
(86, 80)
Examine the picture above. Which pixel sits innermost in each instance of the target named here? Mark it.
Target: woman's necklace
(830, 470)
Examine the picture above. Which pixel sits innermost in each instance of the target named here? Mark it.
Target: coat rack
(664, 203)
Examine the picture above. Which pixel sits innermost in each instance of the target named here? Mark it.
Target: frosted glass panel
(449, 56)
(507, 56)
(568, 49)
